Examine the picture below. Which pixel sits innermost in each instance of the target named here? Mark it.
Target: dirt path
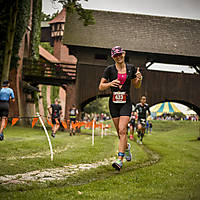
(51, 174)
(67, 171)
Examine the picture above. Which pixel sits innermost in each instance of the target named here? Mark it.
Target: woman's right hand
(115, 83)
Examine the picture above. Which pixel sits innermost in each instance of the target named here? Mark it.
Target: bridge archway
(185, 103)
(83, 104)
(157, 86)
(188, 104)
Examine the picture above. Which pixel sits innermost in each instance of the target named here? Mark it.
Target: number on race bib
(119, 97)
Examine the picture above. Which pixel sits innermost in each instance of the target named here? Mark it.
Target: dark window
(101, 56)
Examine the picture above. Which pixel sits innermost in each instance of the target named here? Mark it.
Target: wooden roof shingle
(135, 32)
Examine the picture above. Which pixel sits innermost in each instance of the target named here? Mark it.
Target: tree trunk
(9, 41)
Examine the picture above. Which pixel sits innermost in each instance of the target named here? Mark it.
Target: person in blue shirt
(6, 94)
(147, 127)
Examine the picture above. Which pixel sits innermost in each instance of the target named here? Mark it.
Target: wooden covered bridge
(146, 39)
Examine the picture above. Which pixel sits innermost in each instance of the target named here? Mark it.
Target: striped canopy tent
(166, 107)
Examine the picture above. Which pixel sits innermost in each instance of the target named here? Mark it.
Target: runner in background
(132, 125)
(73, 113)
(141, 108)
(6, 94)
(118, 77)
(55, 110)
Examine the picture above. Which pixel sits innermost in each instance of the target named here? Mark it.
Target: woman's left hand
(138, 74)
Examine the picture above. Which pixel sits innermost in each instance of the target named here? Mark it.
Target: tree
(14, 20)
(11, 27)
(75, 5)
(47, 17)
(99, 105)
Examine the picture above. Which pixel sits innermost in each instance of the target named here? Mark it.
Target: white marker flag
(45, 130)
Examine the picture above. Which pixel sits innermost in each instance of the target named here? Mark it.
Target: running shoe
(117, 164)
(128, 154)
(1, 137)
(53, 135)
(140, 142)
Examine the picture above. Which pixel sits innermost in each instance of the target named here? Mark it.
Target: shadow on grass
(194, 140)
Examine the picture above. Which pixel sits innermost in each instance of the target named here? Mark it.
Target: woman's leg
(57, 126)
(124, 148)
(3, 122)
(139, 131)
(123, 123)
(116, 123)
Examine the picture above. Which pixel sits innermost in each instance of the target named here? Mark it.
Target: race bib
(119, 97)
(72, 112)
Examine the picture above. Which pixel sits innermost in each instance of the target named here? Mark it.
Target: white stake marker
(45, 130)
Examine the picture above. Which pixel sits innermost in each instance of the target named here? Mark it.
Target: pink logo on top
(116, 50)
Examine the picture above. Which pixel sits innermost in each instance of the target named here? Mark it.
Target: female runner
(118, 78)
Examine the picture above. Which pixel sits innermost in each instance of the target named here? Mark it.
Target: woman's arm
(104, 84)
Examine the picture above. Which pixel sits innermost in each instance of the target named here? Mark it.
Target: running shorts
(142, 121)
(120, 109)
(4, 109)
(53, 119)
(72, 120)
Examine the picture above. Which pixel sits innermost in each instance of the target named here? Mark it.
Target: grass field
(166, 167)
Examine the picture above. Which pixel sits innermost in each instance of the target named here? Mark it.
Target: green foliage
(48, 17)
(47, 46)
(36, 29)
(21, 26)
(36, 101)
(3, 29)
(178, 115)
(23, 14)
(100, 105)
(54, 93)
(75, 5)
(44, 100)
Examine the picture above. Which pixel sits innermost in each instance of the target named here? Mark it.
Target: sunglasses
(116, 55)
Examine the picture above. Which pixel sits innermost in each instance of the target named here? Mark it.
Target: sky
(171, 8)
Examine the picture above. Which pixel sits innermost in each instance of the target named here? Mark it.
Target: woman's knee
(122, 131)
